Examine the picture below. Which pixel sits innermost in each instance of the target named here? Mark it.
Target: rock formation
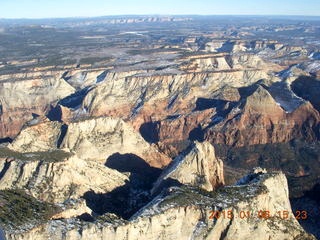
(20, 99)
(99, 138)
(189, 210)
(161, 95)
(51, 180)
(262, 120)
(197, 167)
(109, 132)
(38, 136)
(92, 139)
(235, 212)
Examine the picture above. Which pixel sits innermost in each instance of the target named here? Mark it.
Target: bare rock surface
(99, 138)
(20, 99)
(38, 136)
(196, 167)
(57, 181)
(184, 213)
(260, 120)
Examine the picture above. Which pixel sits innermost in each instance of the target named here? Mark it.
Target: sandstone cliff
(92, 139)
(184, 213)
(21, 98)
(260, 119)
(139, 96)
(143, 100)
(227, 62)
(68, 177)
(39, 136)
(99, 138)
(132, 95)
(197, 167)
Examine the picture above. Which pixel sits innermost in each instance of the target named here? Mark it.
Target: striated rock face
(184, 213)
(272, 44)
(161, 95)
(98, 139)
(20, 99)
(93, 139)
(58, 180)
(226, 62)
(156, 100)
(182, 125)
(272, 47)
(80, 79)
(262, 120)
(40, 137)
(197, 167)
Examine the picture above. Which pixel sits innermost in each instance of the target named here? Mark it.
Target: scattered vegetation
(224, 196)
(299, 160)
(153, 51)
(110, 218)
(20, 211)
(49, 156)
(94, 60)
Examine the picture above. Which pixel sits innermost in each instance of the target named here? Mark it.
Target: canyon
(130, 130)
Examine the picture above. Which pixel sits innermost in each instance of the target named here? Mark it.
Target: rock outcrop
(143, 99)
(92, 139)
(87, 139)
(51, 180)
(227, 62)
(197, 167)
(271, 47)
(235, 212)
(156, 96)
(22, 98)
(99, 138)
(260, 120)
(39, 135)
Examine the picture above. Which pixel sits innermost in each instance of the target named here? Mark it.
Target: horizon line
(163, 15)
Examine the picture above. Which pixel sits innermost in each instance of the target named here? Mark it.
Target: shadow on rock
(5, 140)
(308, 89)
(149, 131)
(124, 201)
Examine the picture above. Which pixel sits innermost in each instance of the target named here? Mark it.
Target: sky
(91, 8)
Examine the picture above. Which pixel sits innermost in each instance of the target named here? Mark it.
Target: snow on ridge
(285, 97)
